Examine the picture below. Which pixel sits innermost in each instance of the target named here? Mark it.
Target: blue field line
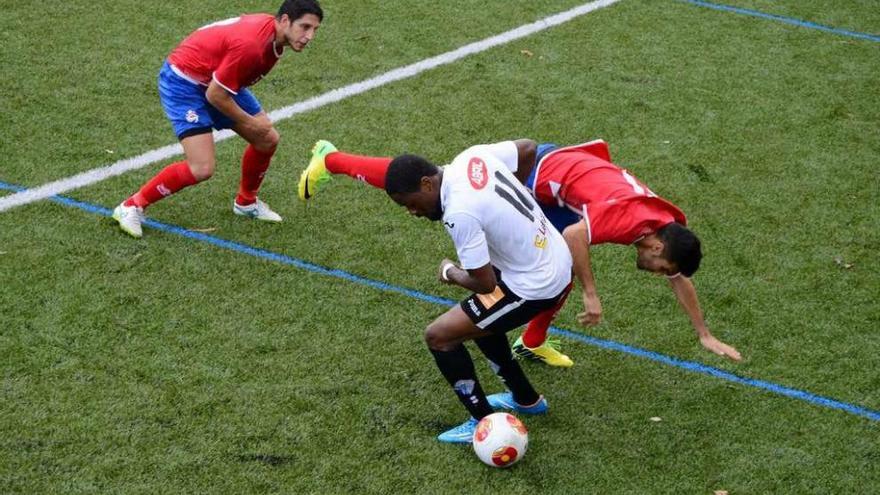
(594, 341)
(781, 18)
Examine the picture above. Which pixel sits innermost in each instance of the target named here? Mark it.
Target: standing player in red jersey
(591, 201)
(203, 86)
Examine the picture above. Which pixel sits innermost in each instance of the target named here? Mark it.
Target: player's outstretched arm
(576, 237)
(686, 294)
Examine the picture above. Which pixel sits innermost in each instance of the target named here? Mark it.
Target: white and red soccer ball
(500, 439)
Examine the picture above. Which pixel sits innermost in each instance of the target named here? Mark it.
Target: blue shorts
(560, 216)
(188, 109)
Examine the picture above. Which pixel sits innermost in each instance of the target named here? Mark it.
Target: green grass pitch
(167, 365)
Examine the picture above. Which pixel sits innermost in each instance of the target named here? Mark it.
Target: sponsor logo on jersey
(449, 225)
(477, 173)
(191, 116)
(541, 236)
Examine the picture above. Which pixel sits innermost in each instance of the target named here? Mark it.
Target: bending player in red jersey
(591, 201)
(203, 86)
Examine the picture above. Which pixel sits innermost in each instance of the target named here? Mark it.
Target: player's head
(297, 22)
(414, 183)
(673, 249)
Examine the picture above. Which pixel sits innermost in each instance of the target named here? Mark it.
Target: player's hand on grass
(714, 345)
(592, 314)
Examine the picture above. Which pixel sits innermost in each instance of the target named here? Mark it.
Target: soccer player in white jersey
(591, 201)
(514, 261)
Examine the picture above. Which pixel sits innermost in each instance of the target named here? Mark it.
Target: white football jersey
(492, 218)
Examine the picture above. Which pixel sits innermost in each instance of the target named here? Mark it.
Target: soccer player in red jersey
(203, 85)
(591, 201)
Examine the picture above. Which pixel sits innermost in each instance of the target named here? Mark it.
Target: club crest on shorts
(191, 116)
(477, 173)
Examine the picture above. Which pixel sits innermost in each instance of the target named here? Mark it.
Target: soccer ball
(500, 439)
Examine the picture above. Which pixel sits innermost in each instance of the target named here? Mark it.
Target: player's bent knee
(202, 170)
(273, 139)
(436, 339)
(269, 142)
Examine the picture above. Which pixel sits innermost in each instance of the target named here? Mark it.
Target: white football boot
(130, 219)
(257, 211)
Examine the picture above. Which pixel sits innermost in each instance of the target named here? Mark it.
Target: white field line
(102, 173)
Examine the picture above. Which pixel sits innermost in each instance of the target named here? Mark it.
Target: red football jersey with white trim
(236, 52)
(618, 208)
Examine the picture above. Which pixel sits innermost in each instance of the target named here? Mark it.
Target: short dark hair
(405, 174)
(298, 8)
(682, 247)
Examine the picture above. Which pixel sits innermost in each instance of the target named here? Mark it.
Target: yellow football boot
(546, 353)
(316, 174)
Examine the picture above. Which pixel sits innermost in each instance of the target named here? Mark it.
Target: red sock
(171, 179)
(368, 169)
(536, 332)
(254, 164)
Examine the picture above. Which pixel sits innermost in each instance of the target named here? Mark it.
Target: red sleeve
(233, 67)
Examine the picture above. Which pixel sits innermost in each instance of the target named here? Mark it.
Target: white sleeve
(505, 151)
(469, 239)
